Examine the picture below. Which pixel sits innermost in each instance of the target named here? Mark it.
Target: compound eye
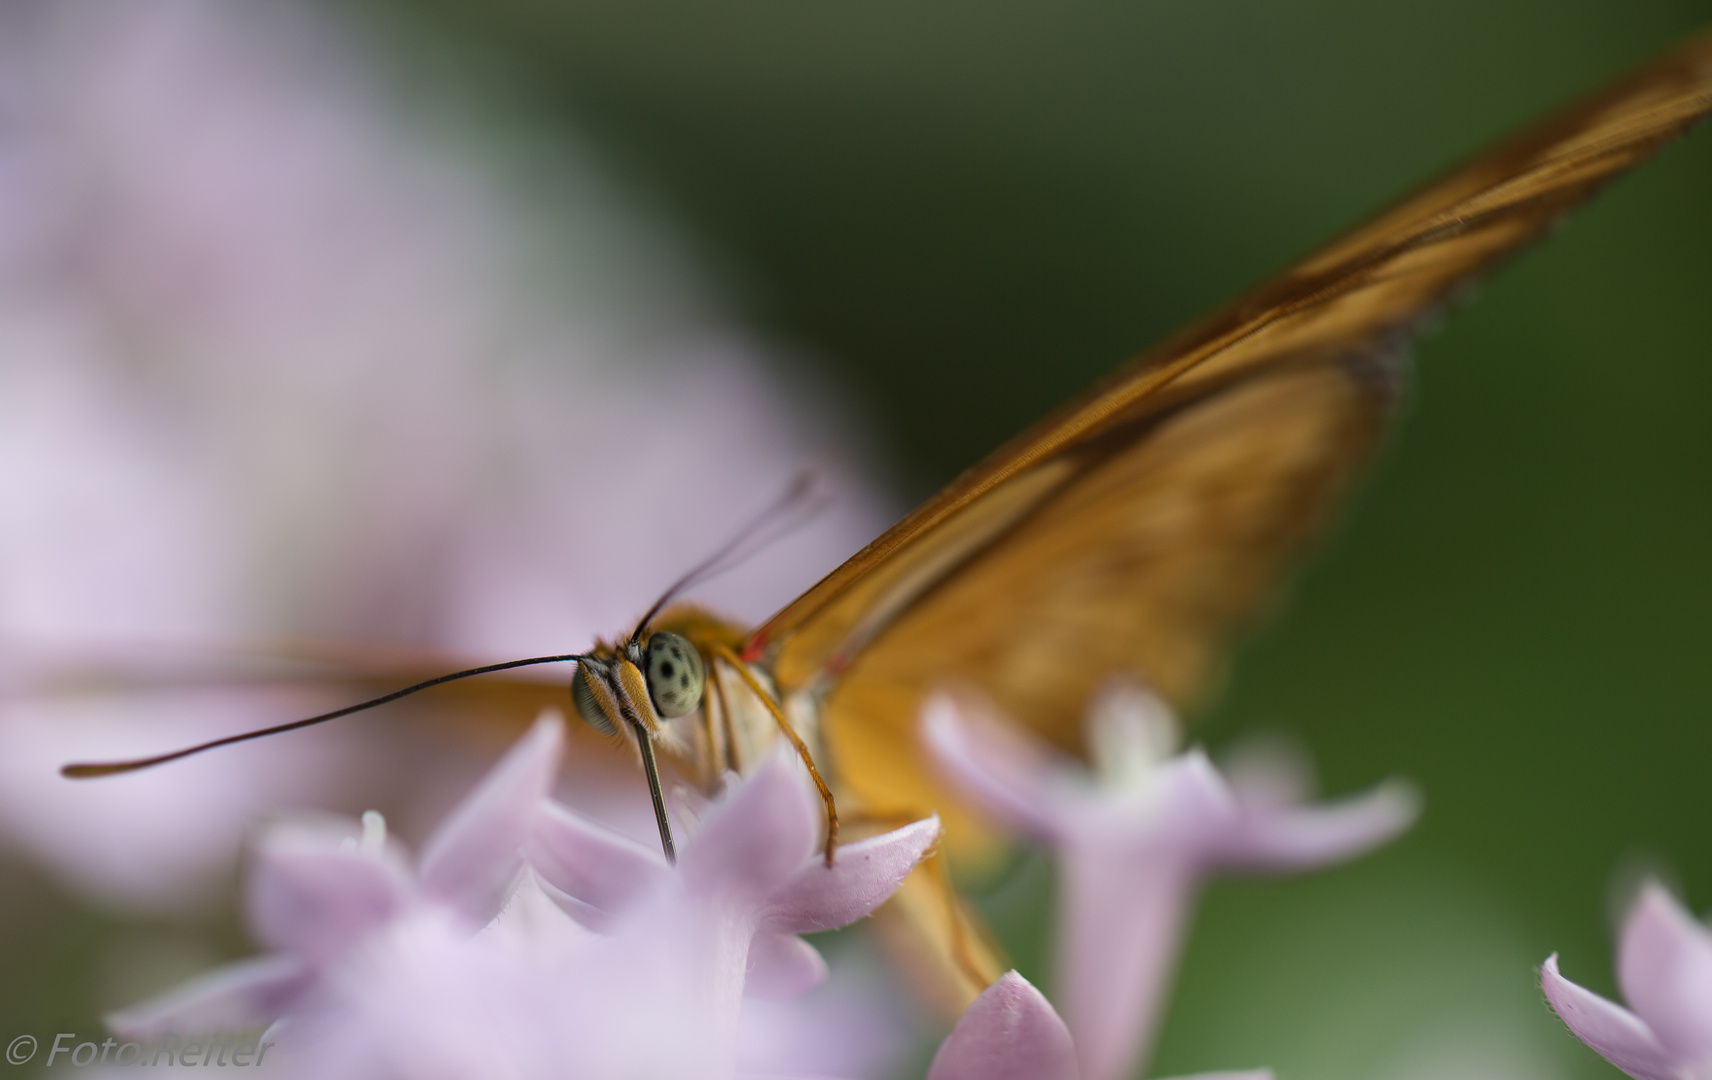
(587, 707)
(675, 674)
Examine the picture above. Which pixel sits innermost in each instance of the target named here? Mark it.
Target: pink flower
(681, 946)
(1664, 966)
(750, 880)
(532, 996)
(381, 971)
(1133, 844)
(1011, 1032)
(317, 895)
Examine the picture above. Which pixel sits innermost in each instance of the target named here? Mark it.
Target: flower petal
(1617, 1034)
(1008, 1033)
(1186, 808)
(1120, 925)
(601, 870)
(757, 836)
(241, 995)
(1303, 837)
(866, 873)
(313, 898)
(473, 858)
(781, 966)
(1012, 777)
(1664, 965)
(855, 1024)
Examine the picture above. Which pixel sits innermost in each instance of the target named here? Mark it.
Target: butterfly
(1132, 530)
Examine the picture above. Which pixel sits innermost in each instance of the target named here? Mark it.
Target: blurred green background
(961, 213)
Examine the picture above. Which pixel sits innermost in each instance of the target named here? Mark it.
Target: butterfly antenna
(88, 770)
(801, 500)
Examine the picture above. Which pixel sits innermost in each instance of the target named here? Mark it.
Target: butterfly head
(661, 667)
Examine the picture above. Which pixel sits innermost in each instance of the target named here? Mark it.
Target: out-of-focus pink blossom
(281, 357)
(317, 895)
(1664, 966)
(1133, 844)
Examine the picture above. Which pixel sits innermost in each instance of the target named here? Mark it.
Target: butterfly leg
(720, 730)
(725, 653)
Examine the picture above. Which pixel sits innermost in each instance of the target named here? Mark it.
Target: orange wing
(1138, 526)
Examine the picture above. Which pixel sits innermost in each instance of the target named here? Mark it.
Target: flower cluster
(525, 929)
